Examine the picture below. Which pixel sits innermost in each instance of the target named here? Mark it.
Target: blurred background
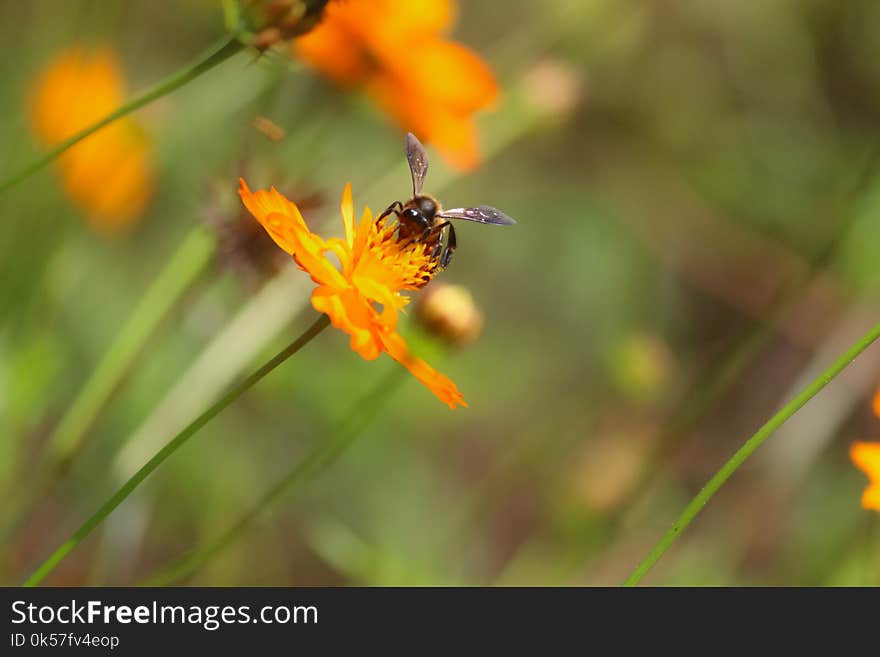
(696, 185)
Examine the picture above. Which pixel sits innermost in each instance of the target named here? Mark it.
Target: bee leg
(446, 244)
(427, 228)
(439, 245)
(395, 207)
(451, 245)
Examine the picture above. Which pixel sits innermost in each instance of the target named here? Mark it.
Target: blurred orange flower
(109, 174)
(374, 267)
(866, 457)
(875, 403)
(393, 49)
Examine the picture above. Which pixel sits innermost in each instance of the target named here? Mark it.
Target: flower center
(413, 260)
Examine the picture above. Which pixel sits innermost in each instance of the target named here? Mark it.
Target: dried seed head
(242, 245)
(276, 21)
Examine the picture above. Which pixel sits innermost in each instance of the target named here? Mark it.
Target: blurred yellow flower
(393, 50)
(866, 457)
(374, 267)
(109, 175)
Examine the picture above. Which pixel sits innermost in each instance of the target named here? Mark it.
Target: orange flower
(866, 457)
(393, 49)
(374, 267)
(109, 174)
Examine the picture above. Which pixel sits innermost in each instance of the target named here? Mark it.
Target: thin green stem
(712, 383)
(220, 52)
(173, 281)
(66, 440)
(315, 462)
(714, 484)
(231, 14)
(172, 446)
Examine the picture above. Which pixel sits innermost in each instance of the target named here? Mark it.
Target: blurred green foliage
(673, 166)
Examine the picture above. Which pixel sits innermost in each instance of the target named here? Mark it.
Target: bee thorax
(425, 205)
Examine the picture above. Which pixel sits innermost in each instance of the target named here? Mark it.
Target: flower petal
(362, 236)
(392, 303)
(110, 175)
(279, 216)
(441, 72)
(451, 131)
(455, 136)
(347, 208)
(308, 251)
(442, 387)
(426, 16)
(78, 88)
(342, 251)
(394, 50)
(335, 50)
(866, 456)
(350, 313)
(284, 223)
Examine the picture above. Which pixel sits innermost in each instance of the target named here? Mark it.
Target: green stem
(231, 14)
(702, 498)
(315, 462)
(712, 383)
(172, 446)
(221, 51)
(172, 282)
(65, 442)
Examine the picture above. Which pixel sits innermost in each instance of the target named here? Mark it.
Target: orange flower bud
(243, 247)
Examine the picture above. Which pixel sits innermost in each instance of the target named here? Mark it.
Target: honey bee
(423, 220)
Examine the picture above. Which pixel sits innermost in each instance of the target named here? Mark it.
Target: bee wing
(418, 162)
(482, 215)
